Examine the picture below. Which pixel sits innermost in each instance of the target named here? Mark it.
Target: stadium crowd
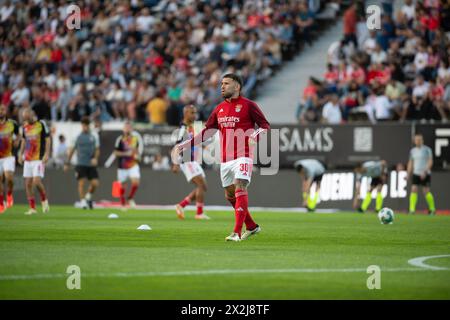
(399, 71)
(140, 60)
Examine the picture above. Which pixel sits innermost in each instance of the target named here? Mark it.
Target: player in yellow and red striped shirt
(34, 154)
(8, 140)
(128, 150)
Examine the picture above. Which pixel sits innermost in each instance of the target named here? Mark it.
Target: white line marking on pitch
(200, 273)
(419, 262)
(99, 205)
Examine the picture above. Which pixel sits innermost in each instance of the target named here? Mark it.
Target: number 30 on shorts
(244, 167)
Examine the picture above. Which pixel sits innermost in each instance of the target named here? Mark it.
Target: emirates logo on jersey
(238, 107)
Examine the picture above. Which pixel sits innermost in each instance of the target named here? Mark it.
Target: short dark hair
(298, 166)
(234, 77)
(85, 120)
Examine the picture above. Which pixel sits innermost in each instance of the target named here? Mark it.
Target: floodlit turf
(310, 256)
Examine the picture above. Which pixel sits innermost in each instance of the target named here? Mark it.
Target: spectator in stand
(61, 154)
(305, 21)
(308, 101)
(20, 97)
(190, 92)
(420, 106)
(352, 98)
(331, 112)
(126, 49)
(370, 43)
(396, 93)
(350, 21)
(79, 105)
(99, 107)
(357, 73)
(382, 106)
(157, 107)
(40, 104)
(421, 59)
(331, 77)
(436, 96)
(420, 89)
(160, 163)
(409, 10)
(378, 55)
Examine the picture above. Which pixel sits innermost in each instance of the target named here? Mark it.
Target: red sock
(134, 188)
(2, 200)
(122, 195)
(241, 209)
(183, 203)
(232, 201)
(199, 208)
(43, 195)
(32, 203)
(250, 224)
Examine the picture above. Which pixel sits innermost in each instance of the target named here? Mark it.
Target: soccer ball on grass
(386, 216)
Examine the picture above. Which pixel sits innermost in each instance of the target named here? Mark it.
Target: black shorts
(318, 178)
(83, 172)
(418, 181)
(376, 181)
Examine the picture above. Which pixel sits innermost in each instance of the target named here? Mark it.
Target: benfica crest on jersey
(238, 107)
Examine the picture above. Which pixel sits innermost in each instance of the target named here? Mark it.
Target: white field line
(203, 273)
(419, 262)
(215, 208)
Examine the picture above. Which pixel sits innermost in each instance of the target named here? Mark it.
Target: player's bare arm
(409, 168)
(21, 150)
(94, 160)
(307, 184)
(16, 142)
(123, 153)
(208, 132)
(47, 150)
(69, 158)
(429, 165)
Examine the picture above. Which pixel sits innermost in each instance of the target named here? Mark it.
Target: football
(386, 216)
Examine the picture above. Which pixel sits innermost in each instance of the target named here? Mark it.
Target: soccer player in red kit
(235, 118)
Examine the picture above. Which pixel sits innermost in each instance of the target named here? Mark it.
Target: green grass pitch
(296, 256)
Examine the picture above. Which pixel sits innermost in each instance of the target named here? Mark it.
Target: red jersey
(236, 120)
(331, 76)
(437, 92)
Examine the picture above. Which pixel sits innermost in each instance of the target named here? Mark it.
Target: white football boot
(233, 237)
(30, 212)
(202, 217)
(249, 233)
(132, 204)
(45, 206)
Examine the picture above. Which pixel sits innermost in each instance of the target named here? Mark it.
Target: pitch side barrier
(338, 146)
(281, 190)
